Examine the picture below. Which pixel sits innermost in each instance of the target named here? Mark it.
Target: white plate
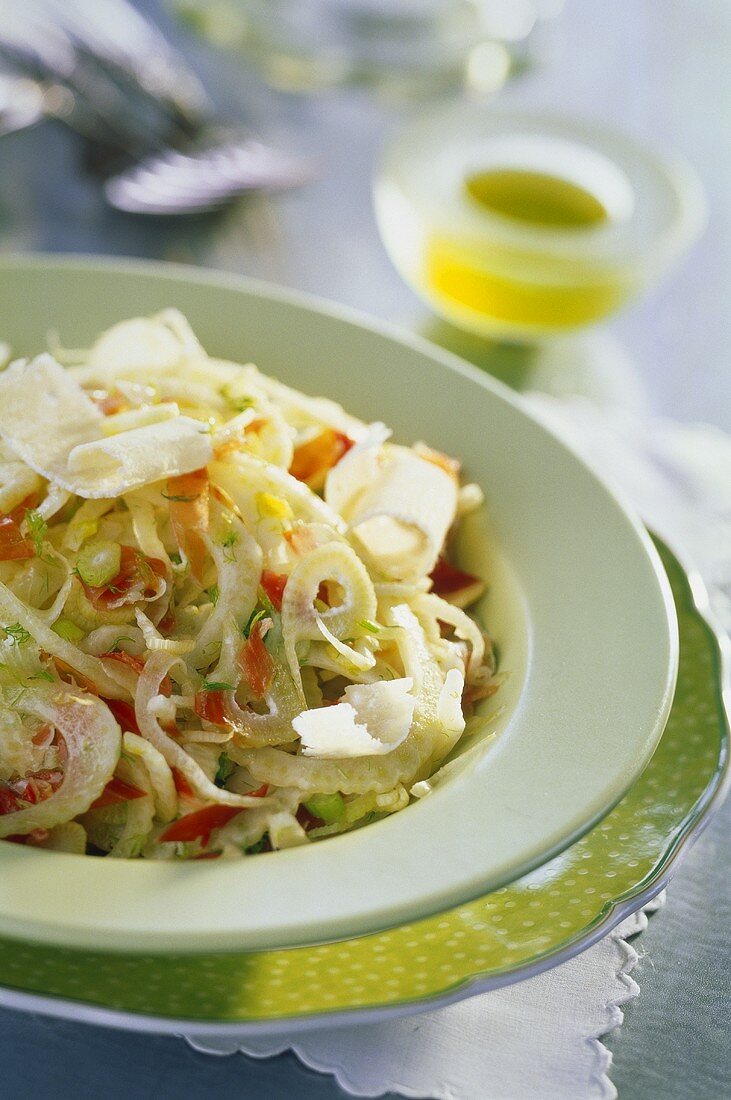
(578, 602)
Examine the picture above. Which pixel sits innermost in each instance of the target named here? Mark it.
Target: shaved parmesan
(449, 707)
(138, 418)
(398, 506)
(285, 831)
(138, 457)
(50, 423)
(146, 344)
(374, 719)
(44, 414)
(16, 483)
(355, 470)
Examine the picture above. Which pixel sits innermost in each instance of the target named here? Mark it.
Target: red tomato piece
(124, 713)
(9, 801)
(44, 736)
(182, 786)
(312, 459)
(200, 824)
(454, 584)
(256, 661)
(139, 578)
(37, 786)
(117, 790)
(188, 497)
(14, 546)
(211, 705)
(274, 585)
(130, 659)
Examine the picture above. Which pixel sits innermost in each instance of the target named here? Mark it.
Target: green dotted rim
(503, 937)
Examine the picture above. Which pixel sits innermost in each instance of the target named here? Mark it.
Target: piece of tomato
(211, 706)
(44, 736)
(124, 712)
(274, 585)
(182, 786)
(9, 801)
(199, 825)
(117, 790)
(454, 584)
(37, 786)
(188, 497)
(14, 546)
(132, 661)
(256, 661)
(139, 578)
(312, 459)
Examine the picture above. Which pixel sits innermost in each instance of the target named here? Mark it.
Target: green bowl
(578, 601)
(511, 934)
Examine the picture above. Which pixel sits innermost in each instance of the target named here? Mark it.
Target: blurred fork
(122, 86)
(173, 182)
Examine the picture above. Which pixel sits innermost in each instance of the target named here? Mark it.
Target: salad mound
(228, 621)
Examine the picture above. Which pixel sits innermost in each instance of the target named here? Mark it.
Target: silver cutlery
(108, 73)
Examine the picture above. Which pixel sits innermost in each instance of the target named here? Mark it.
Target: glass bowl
(525, 225)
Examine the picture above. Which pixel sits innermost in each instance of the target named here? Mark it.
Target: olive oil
(524, 226)
(536, 197)
(459, 275)
(472, 292)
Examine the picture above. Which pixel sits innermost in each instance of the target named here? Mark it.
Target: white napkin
(540, 1040)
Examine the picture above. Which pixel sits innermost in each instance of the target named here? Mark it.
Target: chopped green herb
(43, 674)
(17, 633)
(175, 557)
(237, 402)
(67, 630)
(369, 625)
(260, 846)
(217, 685)
(37, 528)
(326, 807)
(253, 620)
(117, 642)
(226, 768)
(213, 594)
(228, 544)
(180, 499)
(265, 602)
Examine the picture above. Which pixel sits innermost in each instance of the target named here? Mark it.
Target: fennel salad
(229, 623)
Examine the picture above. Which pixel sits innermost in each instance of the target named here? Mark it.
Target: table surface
(662, 72)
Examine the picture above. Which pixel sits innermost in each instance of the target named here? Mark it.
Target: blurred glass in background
(398, 46)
